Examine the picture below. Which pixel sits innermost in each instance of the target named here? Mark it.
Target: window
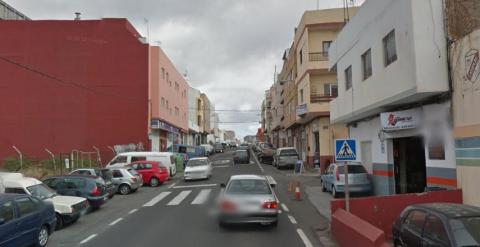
(326, 46)
(248, 186)
(415, 220)
(163, 102)
(25, 206)
(138, 158)
(54, 183)
(177, 111)
(367, 64)
(389, 48)
(330, 89)
(177, 87)
(163, 73)
(436, 147)
(435, 231)
(74, 183)
(15, 190)
(167, 105)
(7, 212)
(170, 83)
(348, 77)
(199, 120)
(300, 54)
(119, 159)
(117, 174)
(301, 95)
(167, 77)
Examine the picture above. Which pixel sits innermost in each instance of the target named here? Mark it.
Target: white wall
(193, 95)
(420, 69)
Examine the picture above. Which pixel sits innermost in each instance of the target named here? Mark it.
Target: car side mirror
(2, 221)
(222, 185)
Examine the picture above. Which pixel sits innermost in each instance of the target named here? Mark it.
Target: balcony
(319, 98)
(317, 56)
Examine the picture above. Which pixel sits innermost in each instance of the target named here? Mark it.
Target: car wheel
(43, 236)
(274, 224)
(59, 224)
(222, 224)
(323, 187)
(154, 182)
(124, 189)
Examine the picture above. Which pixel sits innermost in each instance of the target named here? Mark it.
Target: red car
(153, 172)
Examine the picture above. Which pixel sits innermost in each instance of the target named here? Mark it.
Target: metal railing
(317, 97)
(317, 56)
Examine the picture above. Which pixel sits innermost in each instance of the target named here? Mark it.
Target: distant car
(285, 157)
(104, 173)
(438, 224)
(152, 172)
(246, 149)
(167, 159)
(68, 209)
(126, 179)
(209, 150)
(265, 152)
(25, 221)
(241, 157)
(198, 168)
(248, 199)
(92, 188)
(219, 148)
(334, 179)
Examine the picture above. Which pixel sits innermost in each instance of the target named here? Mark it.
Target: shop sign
(472, 65)
(301, 109)
(157, 124)
(400, 120)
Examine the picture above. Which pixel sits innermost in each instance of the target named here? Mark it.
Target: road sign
(345, 149)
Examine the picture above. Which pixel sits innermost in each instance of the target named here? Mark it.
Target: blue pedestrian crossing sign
(345, 149)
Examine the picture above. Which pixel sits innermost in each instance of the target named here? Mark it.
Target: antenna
(318, 4)
(148, 29)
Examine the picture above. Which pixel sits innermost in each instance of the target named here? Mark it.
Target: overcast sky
(229, 47)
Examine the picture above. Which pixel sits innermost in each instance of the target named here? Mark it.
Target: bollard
(297, 193)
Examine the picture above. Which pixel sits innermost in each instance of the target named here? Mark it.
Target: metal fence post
(21, 156)
(53, 160)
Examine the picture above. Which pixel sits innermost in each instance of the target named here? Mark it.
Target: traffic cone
(297, 193)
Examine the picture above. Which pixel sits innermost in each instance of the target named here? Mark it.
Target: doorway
(409, 164)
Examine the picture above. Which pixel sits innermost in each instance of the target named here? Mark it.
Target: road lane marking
(202, 197)
(258, 163)
(284, 207)
(156, 199)
(171, 185)
(221, 166)
(115, 221)
(279, 211)
(292, 219)
(194, 186)
(179, 198)
(304, 238)
(133, 211)
(88, 238)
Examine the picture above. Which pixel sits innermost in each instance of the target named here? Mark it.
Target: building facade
(7, 12)
(194, 137)
(393, 91)
(72, 85)
(168, 96)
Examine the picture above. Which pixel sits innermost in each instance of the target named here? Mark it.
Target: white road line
(284, 207)
(292, 219)
(88, 239)
(171, 185)
(133, 211)
(202, 197)
(258, 163)
(194, 186)
(115, 221)
(221, 166)
(179, 198)
(156, 199)
(304, 238)
(279, 211)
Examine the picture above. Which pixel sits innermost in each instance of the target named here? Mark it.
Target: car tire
(154, 182)
(43, 235)
(124, 189)
(222, 224)
(274, 224)
(59, 224)
(323, 187)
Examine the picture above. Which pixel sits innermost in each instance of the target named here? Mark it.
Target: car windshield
(352, 169)
(241, 153)
(41, 191)
(248, 186)
(466, 231)
(192, 163)
(288, 152)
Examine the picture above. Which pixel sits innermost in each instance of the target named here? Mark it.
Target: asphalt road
(180, 213)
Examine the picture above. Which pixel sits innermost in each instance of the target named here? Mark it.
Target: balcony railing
(317, 98)
(317, 56)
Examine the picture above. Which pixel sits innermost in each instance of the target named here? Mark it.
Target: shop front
(164, 136)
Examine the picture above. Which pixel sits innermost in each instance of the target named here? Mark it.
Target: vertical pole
(20, 155)
(347, 189)
(53, 160)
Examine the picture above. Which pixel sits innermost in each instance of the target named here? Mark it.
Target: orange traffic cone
(297, 193)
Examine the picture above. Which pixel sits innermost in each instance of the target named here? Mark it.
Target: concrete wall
(466, 99)
(99, 97)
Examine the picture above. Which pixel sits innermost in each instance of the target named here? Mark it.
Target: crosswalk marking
(202, 197)
(156, 199)
(179, 198)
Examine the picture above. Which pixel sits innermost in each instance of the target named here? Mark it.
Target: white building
(193, 137)
(391, 64)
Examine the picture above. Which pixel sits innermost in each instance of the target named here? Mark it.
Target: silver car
(285, 157)
(248, 199)
(126, 179)
(334, 179)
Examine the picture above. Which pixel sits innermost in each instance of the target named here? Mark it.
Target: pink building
(168, 102)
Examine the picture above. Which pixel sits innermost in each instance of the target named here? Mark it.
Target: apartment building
(194, 137)
(391, 65)
(7, 12)
(168, 92)
(205, 127)
(277, 132)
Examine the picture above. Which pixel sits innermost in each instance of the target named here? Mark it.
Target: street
(180, 213)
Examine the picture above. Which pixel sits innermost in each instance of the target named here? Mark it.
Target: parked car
(248, 199)
(152, 172)
(126, 179)
(246, 149)
(92, 188)
(190, 151)
(285, 157)
(104, 173)
(68, 209)
(241, 157)
(167, 159)
(219, 148)
(209, 150)
(438, 224)
(334, 179)
(198, 168)
(265, 153)
(25, 221)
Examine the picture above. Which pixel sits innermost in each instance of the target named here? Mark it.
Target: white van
(67, 208)
(165, 158)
